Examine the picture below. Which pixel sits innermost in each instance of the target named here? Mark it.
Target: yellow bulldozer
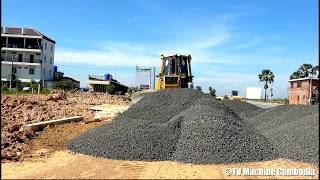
(175, 72)
(235, 96)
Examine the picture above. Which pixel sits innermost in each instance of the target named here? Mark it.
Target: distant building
(300, 91)
(100, 83)
(30, 52)
(253, 93)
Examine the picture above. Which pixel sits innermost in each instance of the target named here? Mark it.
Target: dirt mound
(17, 110)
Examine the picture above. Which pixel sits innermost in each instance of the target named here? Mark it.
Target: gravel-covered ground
(187, 126)
(293, 131)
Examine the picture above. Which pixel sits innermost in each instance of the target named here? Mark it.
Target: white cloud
(202, 43)
(107, 58)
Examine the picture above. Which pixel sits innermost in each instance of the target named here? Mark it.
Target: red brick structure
(300, 90)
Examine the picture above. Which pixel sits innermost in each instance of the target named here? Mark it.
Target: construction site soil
(17, 110)
(187, 126)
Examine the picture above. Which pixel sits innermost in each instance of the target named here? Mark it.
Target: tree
(267, 77)
(14, 79)
(34, 84)
(135, 89)
(210, 88)
(296, 75)
(212, 92)
(111, 89)
(199, 88)
(305, 71)
(64, 85)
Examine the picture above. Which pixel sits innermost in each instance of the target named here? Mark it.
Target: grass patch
(15, 91)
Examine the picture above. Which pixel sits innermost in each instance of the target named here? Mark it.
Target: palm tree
(267, 77)
(210, 88)
(296, 75)
(307, 69)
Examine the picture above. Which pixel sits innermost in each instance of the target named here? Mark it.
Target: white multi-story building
(27, 53)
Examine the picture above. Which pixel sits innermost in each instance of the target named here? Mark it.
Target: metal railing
(23, 60)
(22, 46)
(94, 77)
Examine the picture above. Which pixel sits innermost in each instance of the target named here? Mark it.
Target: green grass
(15, 91)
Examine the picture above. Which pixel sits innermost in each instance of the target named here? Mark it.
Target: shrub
(213, 93)
(64, 85)
(111, 88)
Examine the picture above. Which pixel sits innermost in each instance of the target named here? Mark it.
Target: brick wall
(300, 95)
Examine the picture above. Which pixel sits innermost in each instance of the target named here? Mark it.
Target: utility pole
(150, 78)
(11, 71)
(154, 77)
(310, 92)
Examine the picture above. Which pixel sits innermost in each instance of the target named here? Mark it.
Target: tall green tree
(210, 88)
(296, 75)
(266, 76)
(304, 71)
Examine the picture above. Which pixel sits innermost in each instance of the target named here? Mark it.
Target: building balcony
(22, 49)
(20, 61)
(21, 44)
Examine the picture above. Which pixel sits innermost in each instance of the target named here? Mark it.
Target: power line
(96, 68)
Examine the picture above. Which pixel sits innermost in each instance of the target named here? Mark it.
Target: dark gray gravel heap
(187, 126)
(180, 125)
(293, 130)
(243, 109)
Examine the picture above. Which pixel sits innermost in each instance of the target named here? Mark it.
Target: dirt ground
(17, 110)
(64, 165)
(48, 158)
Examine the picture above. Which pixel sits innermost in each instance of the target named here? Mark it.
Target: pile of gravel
(292, 129)
(185, 125)
(179, 125)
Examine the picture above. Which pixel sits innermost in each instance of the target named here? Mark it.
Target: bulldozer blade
(137, 96)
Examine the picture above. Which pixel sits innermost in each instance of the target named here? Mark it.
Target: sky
(230, 41)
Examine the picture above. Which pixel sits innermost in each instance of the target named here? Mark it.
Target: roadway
(263, 104)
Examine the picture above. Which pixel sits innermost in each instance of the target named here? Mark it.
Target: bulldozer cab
(175, 72)
(234, 93)
(175, 66)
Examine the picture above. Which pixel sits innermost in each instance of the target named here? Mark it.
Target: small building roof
(29, 32)
(301, 79)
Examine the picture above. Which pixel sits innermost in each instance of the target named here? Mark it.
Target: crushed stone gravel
(179, 125)
(292, 129)
(186, 125)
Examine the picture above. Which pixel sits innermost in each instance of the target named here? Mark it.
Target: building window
(304, 96)
(50, 72)
(31, 71)
(45, 59)
(51, 47)
(50, 60)
(299, 83)
(44, 71)
(45, 45)
(291, 84)
(14, 70)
